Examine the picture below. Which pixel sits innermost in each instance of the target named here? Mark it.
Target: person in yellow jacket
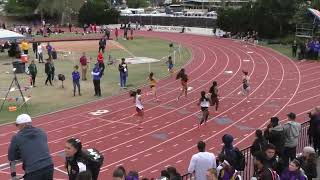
(25, 46)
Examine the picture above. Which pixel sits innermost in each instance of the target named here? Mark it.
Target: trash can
(20, 67)
(54, 55)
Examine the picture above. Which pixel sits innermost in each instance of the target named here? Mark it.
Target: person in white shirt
(204, 103)
(138, 104)
(201, 162)
(39, 51)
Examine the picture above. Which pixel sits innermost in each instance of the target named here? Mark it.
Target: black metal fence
(248, 172)
(170, 21)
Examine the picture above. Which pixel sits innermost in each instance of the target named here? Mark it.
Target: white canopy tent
(10, 35)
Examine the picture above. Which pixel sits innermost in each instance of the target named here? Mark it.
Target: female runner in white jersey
(138, 105)
(204, 103)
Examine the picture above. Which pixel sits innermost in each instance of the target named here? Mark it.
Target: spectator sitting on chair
(37, 163)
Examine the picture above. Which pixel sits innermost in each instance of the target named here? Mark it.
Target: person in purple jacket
(293, 172)
(76, 80)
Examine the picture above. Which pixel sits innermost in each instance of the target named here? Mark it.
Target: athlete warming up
(245, 85)
(214, 95)
(153, 83)
(204, 103)
(139, 107)
(184, 79)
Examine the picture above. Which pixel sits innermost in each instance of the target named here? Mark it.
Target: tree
(63, 9)
(97, 11)
(137, 3)
(21, 7)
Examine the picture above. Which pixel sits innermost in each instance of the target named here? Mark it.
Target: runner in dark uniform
(214, 95)
(184, 82)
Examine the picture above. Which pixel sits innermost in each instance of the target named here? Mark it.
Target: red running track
(170, 133)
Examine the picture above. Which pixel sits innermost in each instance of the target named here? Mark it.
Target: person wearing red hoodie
(101, 63)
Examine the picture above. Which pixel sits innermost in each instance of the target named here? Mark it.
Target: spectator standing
(125, 33)
(232, 154)
(309, 162)
(102, 44)
(75, 163)
(271, 159)
(294, 48)
(118, 174)
(53, 70)
(261, 171)
(100, 60)
(33, 72)
(76, 80)
(84, 66)
(25, 46)
(49, 50)
(201, 162)
(116, 33)
(40, 53)
(70, 27)
(314, 129)
(293, 172)
(96, 79)
(37, 164)
(291, 133)
(48, 68)
(259, 143)
(34, 48)
(275, 135)
(123, 69)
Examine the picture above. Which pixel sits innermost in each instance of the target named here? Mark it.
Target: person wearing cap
(30, 145)
(291, 135)
(201, 162)
(275, 135)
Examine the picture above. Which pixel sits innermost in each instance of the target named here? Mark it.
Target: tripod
(16, 82)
